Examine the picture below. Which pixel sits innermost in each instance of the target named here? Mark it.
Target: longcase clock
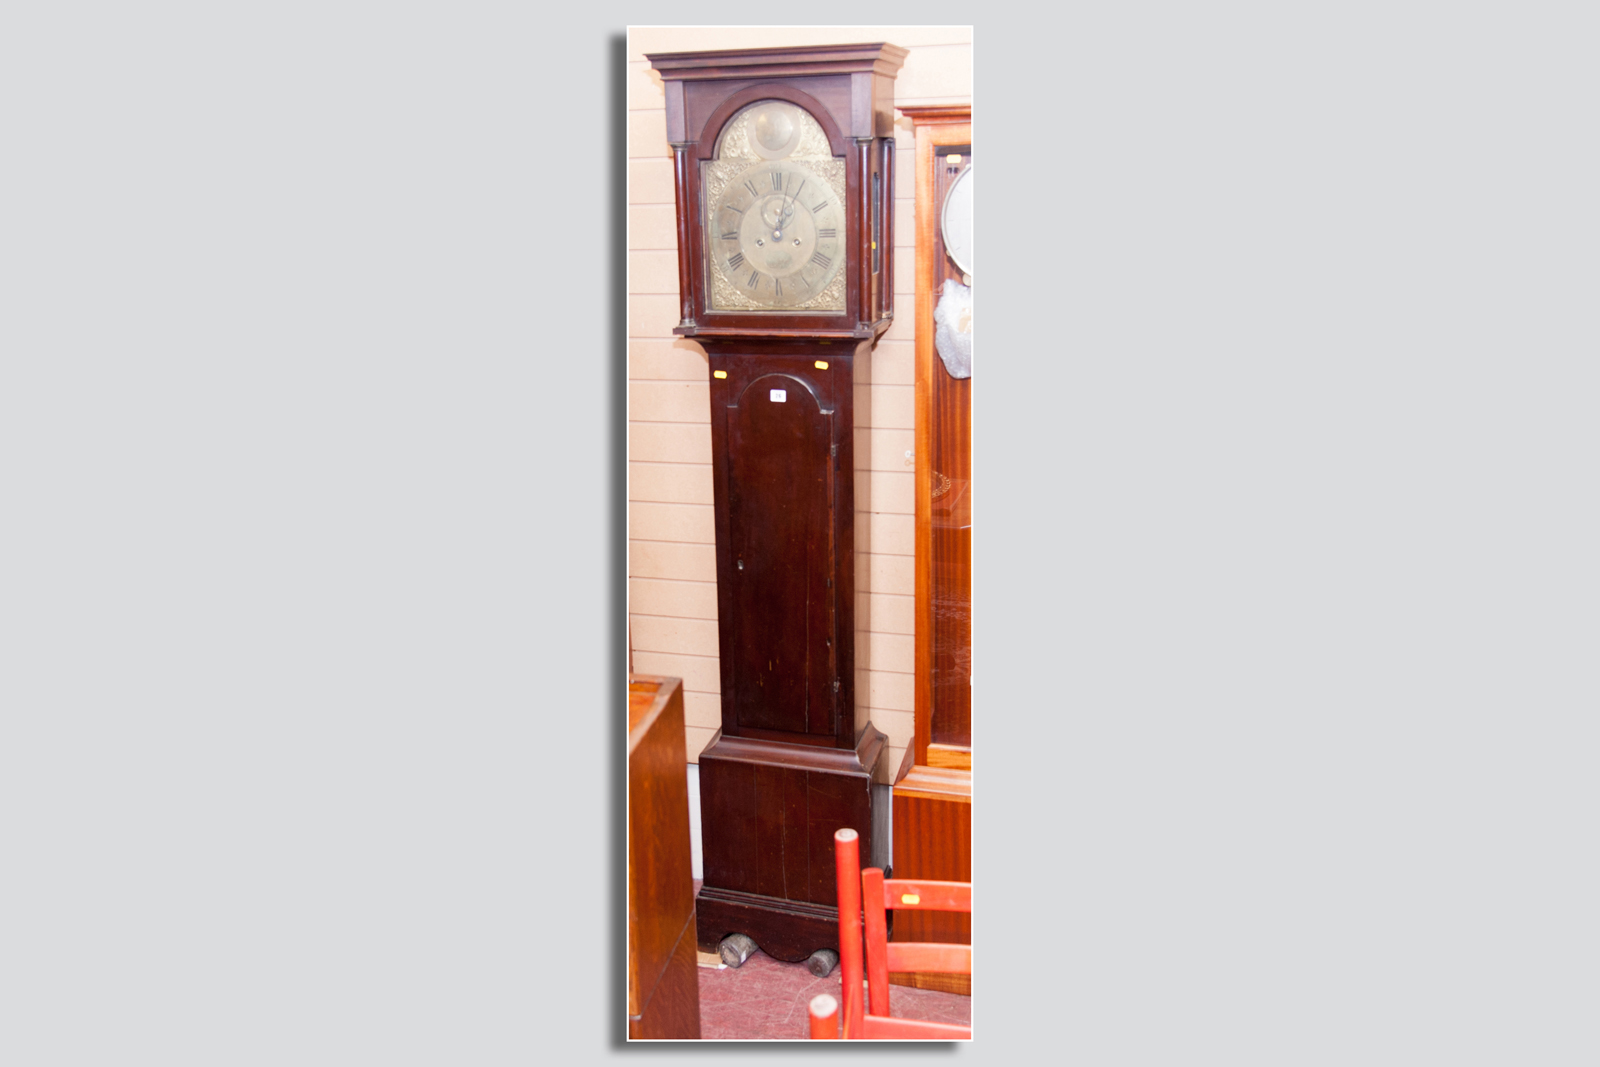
(932, 796)
(784, 172)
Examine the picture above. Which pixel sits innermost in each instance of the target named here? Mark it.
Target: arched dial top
(774, 213)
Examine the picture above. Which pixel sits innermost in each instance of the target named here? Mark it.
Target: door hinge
(836, 685)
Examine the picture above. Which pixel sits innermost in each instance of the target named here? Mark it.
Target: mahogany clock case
(790, 764)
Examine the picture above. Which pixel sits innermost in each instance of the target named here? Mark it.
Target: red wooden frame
(865, 898)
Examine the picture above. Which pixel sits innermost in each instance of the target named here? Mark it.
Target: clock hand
(788, 209)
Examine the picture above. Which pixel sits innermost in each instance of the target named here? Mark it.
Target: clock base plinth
(769, 810)
(787, 930)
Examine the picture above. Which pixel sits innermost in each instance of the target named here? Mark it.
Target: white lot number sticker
(779, 396)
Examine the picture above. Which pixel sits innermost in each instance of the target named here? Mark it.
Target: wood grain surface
(663, 998)
(943, 690)
(932, 797)
(769, 813)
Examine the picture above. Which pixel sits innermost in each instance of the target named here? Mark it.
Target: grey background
(310, 589)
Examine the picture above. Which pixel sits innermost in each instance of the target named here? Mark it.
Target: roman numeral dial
(775, 234)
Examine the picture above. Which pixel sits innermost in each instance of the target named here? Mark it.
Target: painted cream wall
(672, 576)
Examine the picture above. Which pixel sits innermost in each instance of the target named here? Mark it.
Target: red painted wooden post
(824, 1018)
(875, 932)
(847, 864)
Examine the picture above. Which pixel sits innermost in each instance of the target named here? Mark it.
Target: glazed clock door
(933, 789)
(948, 468)
(780, 519)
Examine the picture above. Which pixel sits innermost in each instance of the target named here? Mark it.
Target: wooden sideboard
(663, 974)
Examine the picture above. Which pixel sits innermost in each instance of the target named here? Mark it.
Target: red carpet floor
(766, 1000)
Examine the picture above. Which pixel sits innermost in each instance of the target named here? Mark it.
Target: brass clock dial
(777, 234)
(774, 214)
